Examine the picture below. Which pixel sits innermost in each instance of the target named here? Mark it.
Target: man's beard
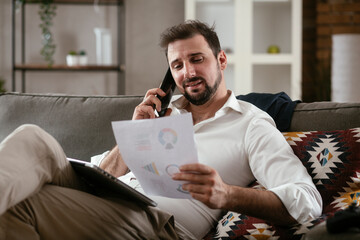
(205, 96)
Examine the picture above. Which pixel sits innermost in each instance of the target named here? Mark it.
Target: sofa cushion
(325, 116)
(332, 158)
(81, 124)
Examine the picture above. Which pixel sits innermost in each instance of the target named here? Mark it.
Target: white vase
(103, 46)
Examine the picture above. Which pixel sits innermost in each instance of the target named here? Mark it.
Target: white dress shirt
(242, 143)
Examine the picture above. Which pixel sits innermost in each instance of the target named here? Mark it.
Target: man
(236, 142)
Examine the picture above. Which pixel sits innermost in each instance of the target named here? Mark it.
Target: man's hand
(205, 184)
(114, 164)
(145, 109)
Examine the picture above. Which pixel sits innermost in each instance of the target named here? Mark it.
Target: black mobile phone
(168, 86)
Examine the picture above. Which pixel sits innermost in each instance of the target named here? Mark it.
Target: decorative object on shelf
(26, 65)
(103, 46)
(76, 59)
(83, 59)
(249, 28)
(273, 49)
(47, 12)
(2, 83)
(71, 59)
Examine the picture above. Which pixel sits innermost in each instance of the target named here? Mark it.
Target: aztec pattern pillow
(332, 158)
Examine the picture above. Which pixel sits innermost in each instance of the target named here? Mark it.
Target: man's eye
(177, 66)
(199, 59)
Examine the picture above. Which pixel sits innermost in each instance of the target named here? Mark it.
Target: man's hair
(187, 30)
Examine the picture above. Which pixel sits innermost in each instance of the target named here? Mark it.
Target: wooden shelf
(41, 67)
(23, 68)
(272, 59)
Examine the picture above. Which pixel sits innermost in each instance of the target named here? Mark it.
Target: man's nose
(189, 71)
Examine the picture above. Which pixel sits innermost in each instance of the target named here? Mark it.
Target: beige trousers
(42, 198)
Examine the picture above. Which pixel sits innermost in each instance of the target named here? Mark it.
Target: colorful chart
(151, 168)
(171, 169)
(168, 137)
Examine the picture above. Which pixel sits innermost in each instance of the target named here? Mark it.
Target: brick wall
(322, 19)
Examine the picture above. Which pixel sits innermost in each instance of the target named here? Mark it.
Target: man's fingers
(154, 91)
(143, 112)
(196, 188)
(150, 102)
(196, 167)
(195, 178)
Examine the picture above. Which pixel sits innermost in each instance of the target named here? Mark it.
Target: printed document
(154, 149)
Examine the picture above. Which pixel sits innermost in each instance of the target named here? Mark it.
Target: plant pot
(82, 60)
(72, 60)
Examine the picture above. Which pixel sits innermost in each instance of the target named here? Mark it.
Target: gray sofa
(82, 124)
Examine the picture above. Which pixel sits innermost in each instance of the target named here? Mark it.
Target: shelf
(272, 59)
(271, 79)
(221, 14)
(273, 20)
(246, 29)
(23, 66)
(41, 67)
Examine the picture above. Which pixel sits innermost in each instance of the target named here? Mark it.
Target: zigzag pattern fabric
(332, 159)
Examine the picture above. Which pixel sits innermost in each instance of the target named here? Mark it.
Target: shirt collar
(180, 102)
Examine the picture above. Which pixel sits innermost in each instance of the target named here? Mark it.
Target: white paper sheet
(153, 149)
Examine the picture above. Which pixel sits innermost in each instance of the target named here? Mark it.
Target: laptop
(103, 182)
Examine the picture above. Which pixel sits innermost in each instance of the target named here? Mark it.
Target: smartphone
(168, 86)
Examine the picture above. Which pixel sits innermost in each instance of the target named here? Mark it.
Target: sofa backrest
(325, 116)
(81, 124)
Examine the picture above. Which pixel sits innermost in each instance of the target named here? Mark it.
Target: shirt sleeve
(97, 159)
(278, 169)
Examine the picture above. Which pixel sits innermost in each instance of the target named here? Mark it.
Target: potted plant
(74, 59)
(82, 58)
(47, 11)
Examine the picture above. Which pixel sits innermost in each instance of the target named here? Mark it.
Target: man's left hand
(204, 184)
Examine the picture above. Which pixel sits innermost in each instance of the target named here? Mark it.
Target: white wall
(145, 61)
(73, 30)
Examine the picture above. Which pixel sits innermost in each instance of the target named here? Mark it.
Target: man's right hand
(145, 109)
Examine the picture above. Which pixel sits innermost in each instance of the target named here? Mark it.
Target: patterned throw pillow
(332, 158)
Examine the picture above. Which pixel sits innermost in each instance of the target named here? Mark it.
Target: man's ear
(222, 59)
